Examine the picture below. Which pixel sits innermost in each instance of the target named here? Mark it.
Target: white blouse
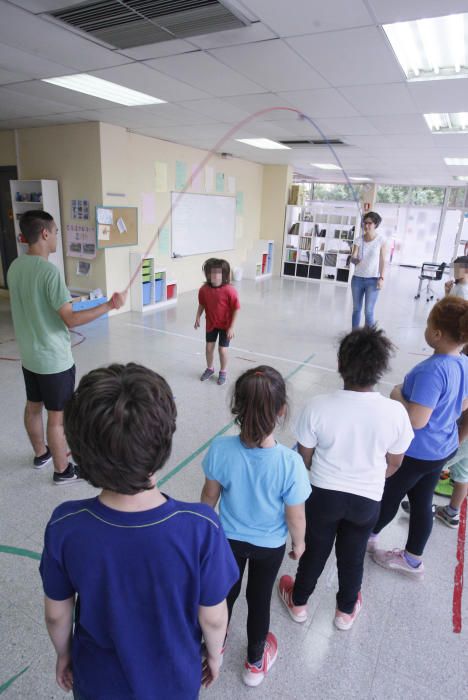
(369, 252)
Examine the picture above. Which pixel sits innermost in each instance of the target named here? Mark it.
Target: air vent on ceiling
(130, 23)
(308, 143)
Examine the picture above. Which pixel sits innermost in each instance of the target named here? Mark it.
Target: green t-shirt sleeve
(57, 292)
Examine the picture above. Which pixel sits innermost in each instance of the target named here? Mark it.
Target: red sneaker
(344, 621)
(252, 675)
(285, 589)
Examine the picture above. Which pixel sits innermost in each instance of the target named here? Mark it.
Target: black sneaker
(69, 476)
(43, 460)
(406, 508)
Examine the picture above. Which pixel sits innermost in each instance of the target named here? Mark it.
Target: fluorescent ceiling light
(456, 161)
(429, 49)
(264, 143)
(326, 166)
(360, 179)
(104, 89)
(463, 178)
(447, 122)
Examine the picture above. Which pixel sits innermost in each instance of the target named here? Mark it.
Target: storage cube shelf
(151, 290)
(318, 241)
(259, 264)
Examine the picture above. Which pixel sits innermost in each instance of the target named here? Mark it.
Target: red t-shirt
(219, 304)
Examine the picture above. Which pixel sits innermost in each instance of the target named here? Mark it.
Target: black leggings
(264, 564)
(416, 478)
(347, 518)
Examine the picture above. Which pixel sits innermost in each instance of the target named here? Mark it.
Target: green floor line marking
(19, 552)
(206, 444)
(6, 685)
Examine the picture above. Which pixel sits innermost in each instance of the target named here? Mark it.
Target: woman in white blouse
(369, 255)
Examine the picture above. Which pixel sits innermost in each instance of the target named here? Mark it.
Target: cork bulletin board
(116, 226)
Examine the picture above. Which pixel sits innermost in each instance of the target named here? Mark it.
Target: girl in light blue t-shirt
(262, 487)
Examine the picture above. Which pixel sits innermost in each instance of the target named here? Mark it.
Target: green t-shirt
(37, 291)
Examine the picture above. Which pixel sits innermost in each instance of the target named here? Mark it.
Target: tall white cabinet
(42, 195)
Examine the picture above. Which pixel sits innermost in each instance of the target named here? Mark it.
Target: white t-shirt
(460, 290)
(351, 432)
(369, 252)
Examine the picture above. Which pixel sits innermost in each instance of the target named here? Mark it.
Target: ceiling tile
(400, 124)
(371, 100)
(351, 57)
(263, 101)
(233, 37)
(16, 104)
(402, 10)
(28, 65)
(162, 48)
(217, 109)
(205, 73)
(140, 76)
(272, 64)
(319, 103)
(304, 16)
(345, 127)
(440, 95)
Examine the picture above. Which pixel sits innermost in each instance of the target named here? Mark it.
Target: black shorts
(53, 390)
(212, 336)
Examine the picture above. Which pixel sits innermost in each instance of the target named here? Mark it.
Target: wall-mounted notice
(80, 241)
(160, 173)
(116, 226)
(80, 209)
(180, 174)
(83, 268)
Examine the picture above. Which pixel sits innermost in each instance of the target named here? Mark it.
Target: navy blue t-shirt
(140, 578)
(440, 383)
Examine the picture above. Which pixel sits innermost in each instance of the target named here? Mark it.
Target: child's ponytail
(258, 398)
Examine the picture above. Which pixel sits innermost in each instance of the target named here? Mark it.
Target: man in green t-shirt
(42, 315)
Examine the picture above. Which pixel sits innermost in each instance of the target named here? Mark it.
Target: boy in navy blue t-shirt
(143, 575)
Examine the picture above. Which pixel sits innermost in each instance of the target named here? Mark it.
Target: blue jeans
(360, 287)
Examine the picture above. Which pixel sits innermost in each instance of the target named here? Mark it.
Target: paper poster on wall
(148, 208)
(160, 172)
(103, 232)
(80, 241)
(220, 183)
(180, 174)
(80, 208)
(105, 216)
(83, 268)
(164, 241)
(121, 226)
(231, 186)
(240, 203)
(209, 179)
(197, 182)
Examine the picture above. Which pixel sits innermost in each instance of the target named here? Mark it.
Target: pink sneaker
(372, 543)
(394, 559)
(344, 621)
(285, 589)
(252, 675)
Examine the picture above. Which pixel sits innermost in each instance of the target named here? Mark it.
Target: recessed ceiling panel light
(360, 179)
(104, 89)
(264, 143)
(456, 161)
(447, 122)
(326, 166)
(430, 49)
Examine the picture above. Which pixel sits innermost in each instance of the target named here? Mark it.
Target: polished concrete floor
(402, 646)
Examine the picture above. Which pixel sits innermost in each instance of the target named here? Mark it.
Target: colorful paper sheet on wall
(160, 172)
(231, 186)
(209, 179)
(219, 183)
(240, 203)
(180, 174)
(197, 180)
(149, 208)
(164, 241)
(80, 241)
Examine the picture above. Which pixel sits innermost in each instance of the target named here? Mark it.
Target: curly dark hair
(374, 217)
(364, 356)
(119, 426)
(258, 397)
(450, 316)
(217, 264)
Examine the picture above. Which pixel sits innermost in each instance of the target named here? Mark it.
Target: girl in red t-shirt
(219, 300)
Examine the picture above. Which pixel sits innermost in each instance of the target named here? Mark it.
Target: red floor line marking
(458, 578)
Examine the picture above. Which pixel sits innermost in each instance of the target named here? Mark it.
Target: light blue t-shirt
(440, 383)
(257, 484)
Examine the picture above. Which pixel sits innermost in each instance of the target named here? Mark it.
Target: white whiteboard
(202, 223)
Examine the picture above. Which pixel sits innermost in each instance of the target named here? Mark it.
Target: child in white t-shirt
(459, 286)
(351, 440)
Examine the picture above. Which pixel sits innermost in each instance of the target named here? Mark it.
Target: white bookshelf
(47, 193)
(151, 290)
(259, 264)
(318, 240)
